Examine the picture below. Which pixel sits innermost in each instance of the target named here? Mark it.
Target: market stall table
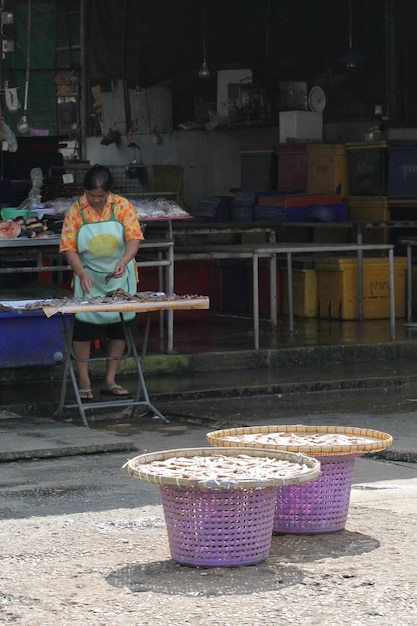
(142, 303)
(271, 251)
(44, 256)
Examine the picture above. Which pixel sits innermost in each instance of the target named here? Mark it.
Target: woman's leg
(81, 351)
(115, 349)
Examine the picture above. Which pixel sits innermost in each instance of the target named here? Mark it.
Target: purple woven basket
(322, 504)
(220, 527)
(319, 506)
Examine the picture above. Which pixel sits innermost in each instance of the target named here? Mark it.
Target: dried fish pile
(311, 440)
(31, 228)
(221, 470)
(300, 439)
(112, 297)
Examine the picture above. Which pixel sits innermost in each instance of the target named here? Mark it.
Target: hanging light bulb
(204, 71)
(350, 58)
(23, 124)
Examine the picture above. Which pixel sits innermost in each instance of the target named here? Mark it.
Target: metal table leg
(273, 290)
(255, 282)
(141, 396)
(391, 292)
(290, 292)
(409, 284)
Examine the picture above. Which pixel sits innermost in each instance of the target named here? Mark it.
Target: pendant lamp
(350, 58)
(204, 71)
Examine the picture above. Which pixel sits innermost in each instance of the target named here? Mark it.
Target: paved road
(97, 482)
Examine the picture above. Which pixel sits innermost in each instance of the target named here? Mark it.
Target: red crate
(189, 279)
(292, 167)
(299, 199)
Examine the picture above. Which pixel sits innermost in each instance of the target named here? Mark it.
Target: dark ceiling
(155, 41)
(152, 42)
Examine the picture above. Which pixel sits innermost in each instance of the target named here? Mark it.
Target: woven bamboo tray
(134, 468)
(380, 440)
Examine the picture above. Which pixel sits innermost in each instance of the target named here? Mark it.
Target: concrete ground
(85, 543)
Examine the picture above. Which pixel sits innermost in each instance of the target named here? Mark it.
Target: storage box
(30, 338)
(402, 171)
(214, 208)
(307, 125)
(323, 213)
(368, 168)
(327, 169)
(258, 168)
(370, 209)
(338, 288)
(304, 285)
(292, 167)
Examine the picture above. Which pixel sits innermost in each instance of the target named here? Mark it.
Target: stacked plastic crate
(368, 201)
(402, 192)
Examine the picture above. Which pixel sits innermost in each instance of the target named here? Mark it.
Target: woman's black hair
(98, 177)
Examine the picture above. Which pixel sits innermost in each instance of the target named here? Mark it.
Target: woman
(100, 236)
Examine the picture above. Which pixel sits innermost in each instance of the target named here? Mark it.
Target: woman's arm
(130, 252)
(77, 267)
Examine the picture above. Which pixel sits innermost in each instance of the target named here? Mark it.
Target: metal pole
(392, 292)
(83, 90)
(409, 284)
(255, 267)
(290, 291)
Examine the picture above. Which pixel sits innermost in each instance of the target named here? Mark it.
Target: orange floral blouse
(123, 212)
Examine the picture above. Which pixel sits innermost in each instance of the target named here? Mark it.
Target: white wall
(210, 159)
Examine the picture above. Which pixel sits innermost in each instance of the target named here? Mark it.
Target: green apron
(100, 245)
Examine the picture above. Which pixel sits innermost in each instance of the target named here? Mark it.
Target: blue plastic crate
(30, 338)
(214, 207)
(402, 171)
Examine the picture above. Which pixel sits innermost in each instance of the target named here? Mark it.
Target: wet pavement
(80, 467)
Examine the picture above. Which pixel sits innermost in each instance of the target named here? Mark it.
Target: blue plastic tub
(31, 338)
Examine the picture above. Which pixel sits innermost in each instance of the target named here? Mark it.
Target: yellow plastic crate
(371, 209)
(305, 295)
(327, 169)
(337, 281)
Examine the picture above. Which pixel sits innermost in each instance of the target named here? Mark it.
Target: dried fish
(224, 468)
(109, 277)
(112, 297)
(300, 439)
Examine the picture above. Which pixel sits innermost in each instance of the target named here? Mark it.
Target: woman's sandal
(115, 390)
(86, 394)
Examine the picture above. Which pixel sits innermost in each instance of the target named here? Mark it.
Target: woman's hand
(119, 268)
(77, 267)
(85, 281)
